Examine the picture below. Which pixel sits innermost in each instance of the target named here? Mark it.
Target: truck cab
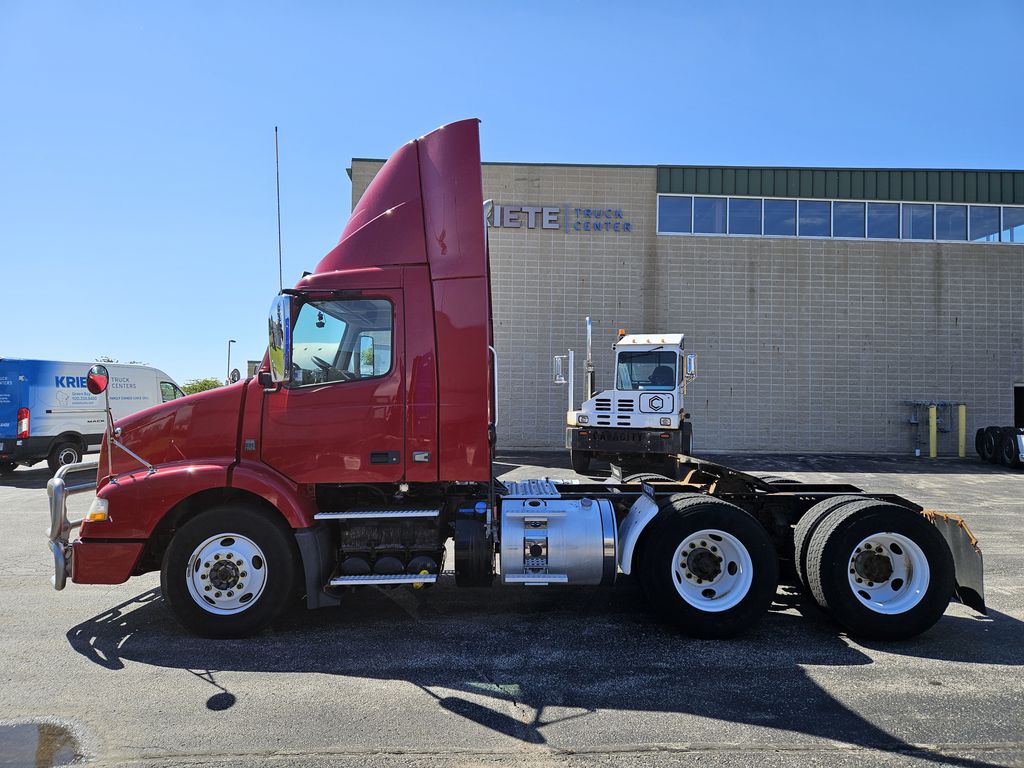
(642, 419)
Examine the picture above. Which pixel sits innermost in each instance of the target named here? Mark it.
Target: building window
(815, 219)
(674, 213)
(984, 224)
(848, 219)
(744, 216)
(780, 217)
(884, 220)
(709, 215)
(950, 222)
(1013, 225)
(917, 222)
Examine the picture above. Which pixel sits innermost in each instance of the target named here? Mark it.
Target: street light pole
(228, 379)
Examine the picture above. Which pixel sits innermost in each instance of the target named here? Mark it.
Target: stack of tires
(1000, 445)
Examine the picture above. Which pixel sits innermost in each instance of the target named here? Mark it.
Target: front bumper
(85, 561)
(616, 441)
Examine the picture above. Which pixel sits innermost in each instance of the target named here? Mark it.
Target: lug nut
(703, 543)
(871, 583)
(689, 575)
(692, 545)
(243, 574)
(216, 557)
(860, 580)
(714, 549)
(216, 594)
(700, 581)
(852, 570)
(206, 565)
(228, 555)
(231, 594)
(239, 586)
(207, 588)
(202, 576)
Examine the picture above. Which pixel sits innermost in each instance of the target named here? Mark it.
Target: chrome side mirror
(691, 366)
(558, 371)
(279, 330)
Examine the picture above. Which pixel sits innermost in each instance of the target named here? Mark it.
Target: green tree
(200, 385)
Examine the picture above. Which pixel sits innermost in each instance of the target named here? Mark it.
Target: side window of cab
(341, 340)
(169, 391)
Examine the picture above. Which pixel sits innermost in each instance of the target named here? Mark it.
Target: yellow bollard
(961, 420)
(932, 431)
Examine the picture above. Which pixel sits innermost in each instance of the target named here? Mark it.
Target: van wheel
(7, 467)
(883, 571)
(64, 454)
(230, 572)
(708, 566)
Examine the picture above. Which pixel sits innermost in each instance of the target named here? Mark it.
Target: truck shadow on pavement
(36, 478)
(522, 662)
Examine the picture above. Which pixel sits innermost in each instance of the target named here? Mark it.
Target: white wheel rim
(888, 573)
(712, 570)
(226, 574)
(67, 456)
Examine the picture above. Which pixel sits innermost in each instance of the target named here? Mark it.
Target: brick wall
(804, 345)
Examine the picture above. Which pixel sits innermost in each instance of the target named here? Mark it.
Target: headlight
(666, 422)
(581, 419)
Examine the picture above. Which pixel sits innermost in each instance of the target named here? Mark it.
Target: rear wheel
(230, 572)
(990, 445)
(805, 529)
(580, 461)
(708, 566)
(646, 477)
(881, 570)
(1008, 455)
(64, 454)
(979, 437)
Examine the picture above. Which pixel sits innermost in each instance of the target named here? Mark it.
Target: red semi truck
(365, 444)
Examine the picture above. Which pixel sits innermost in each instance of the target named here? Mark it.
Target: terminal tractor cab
(641, 424)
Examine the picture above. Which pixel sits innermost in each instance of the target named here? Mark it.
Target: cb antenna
(277, 164)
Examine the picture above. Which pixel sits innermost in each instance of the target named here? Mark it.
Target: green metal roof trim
(934, 186)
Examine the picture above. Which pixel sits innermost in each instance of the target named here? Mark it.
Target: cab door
(339, 416)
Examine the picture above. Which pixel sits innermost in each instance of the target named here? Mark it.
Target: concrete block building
(819, 301)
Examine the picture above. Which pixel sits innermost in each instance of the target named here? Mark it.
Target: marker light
(582, 419)
(98, 510)
(23, 423)
(665, 421)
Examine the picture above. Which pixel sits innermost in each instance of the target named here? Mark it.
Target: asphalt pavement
(553, 676)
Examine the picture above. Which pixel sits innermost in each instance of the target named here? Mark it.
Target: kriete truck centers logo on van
(570, 219)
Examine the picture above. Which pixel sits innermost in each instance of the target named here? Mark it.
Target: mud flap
(967, 559)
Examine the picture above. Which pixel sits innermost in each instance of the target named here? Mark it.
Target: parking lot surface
(556, 676)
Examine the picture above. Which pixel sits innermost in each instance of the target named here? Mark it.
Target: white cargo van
(46, 412)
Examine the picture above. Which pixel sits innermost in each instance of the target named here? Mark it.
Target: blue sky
(137, 207)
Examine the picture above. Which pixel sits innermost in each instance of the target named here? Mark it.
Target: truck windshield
(646, 371)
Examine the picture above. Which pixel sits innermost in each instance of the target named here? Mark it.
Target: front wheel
(580, 461)
(708, 566)
(230, 571)
(1008, 455)
(64, 454)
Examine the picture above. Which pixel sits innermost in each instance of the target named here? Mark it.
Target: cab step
(374, 579)
(377, 514)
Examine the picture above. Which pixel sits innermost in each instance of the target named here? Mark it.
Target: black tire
(990, 445)
(646, 477)
(979, 437)
(580, 461)
(64, 453)
(681, 516)
(1008, 455)
(805, 528)
(829, 562)
(7, 467)
(280, 559)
